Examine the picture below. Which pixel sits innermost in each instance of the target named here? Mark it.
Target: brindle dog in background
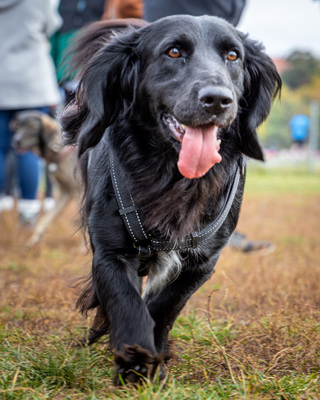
(36, 131)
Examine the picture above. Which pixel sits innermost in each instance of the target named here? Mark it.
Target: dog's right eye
(174, 52)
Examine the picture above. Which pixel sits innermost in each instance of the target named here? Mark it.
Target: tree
(303, 67)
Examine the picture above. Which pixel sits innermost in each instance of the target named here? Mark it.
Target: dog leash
(145, 243)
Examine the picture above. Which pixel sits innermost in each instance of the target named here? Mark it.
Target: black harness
(145, 243)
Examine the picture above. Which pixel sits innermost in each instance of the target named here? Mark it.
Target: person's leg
(48, 202)
(28, 173)
(5, 138)
(28, 177)
(10, 186)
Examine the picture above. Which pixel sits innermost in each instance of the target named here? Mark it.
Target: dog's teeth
(219, 141)
(183, 127)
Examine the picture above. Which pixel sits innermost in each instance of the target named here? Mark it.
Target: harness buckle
(144, 249)
(127, 210)
(242, 165)
(195, 239)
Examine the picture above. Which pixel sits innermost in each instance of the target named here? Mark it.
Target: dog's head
(189, 78)
(33, 130)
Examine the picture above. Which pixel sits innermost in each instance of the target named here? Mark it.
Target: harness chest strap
(127, 208)
(145, 243)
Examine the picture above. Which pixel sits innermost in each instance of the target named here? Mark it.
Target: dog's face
(26, 127)
(194, 74)
(193, 78)
(32, 130)
(189, 79)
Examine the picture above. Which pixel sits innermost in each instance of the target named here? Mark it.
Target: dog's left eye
(232, 55)
(174, 52)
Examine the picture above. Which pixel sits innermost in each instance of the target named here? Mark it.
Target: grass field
(251, 332)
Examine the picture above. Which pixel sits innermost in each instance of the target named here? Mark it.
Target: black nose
(215, 98)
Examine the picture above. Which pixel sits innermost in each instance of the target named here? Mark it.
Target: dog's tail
(87, 44)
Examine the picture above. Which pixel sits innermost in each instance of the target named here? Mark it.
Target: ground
(252, 331)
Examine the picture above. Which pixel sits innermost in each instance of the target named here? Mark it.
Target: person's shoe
(240, 242)
(28, 212)
(6, 203)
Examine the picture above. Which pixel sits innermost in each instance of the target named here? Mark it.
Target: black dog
(163, 117)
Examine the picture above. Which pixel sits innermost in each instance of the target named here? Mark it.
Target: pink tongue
(199, 151)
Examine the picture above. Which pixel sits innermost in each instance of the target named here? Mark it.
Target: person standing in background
(230, 10)
(299, 130)
(75, 15)
(27, 82)
(123, 9)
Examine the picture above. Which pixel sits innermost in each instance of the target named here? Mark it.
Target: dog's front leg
(131, 326)
(167, 305)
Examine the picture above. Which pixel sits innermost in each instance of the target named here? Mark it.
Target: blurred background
(290, 31)
(260, 310)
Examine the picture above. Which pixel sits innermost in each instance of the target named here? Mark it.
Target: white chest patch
(165, 270)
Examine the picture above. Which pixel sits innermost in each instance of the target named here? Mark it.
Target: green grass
(261, 181)
(254, 332)
(209, 364)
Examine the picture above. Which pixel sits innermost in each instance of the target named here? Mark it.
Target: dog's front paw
(134, 365)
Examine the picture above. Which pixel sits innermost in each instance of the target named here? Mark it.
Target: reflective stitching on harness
(138, 218)
(192, 241)
(149, 250)
(189, 243)
(226, 210)
(119, 196)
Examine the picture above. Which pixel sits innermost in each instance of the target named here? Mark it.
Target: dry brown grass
(256, 320)
(36, 284)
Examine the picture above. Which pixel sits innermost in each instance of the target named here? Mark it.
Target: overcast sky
(283, 25)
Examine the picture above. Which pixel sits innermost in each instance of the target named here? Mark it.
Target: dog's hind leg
(46, 220)
(166, 306)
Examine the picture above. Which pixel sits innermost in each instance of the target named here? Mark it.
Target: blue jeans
(28, 168)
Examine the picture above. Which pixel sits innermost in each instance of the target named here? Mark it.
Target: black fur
(127, 86)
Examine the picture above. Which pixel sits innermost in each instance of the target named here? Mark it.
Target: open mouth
(199, 147)
(176, 129)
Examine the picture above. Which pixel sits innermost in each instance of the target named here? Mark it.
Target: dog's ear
(52, 130)
(262, 83)
(107, 87)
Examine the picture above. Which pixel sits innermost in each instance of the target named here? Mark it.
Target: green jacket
(60, 43)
